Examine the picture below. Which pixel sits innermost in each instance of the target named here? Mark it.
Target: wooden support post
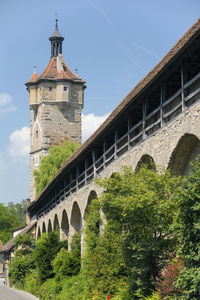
(144, 117)
(115, 148)
(86, 164)
(93, 162)
(161, 104)
(182, 88)
(104, 151)
(129, 126)
(77, 174)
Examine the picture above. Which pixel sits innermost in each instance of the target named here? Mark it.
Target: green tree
(142, 204)
(103, 267)
(187, 229)
(19, 209)
(23, 261)
(45, 251)
(67, 264)
(9, 220)
(52, 162)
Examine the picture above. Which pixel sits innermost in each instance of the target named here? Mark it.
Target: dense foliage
(11, 217)
(145, 247)
(23, 262)
(52, 162)
(103, 267)
(187, 229)
(140, 204)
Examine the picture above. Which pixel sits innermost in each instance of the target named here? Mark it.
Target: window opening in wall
(89, 160)
(65, 88)
(35, 114)
(81, 166)
(192, 65)
(122, 126)
(50, 89)
(136, 114)
(110, 139)
(153, 100)
(73, 173)
(99, 150)
(173, 83)
(36, 161)
(36, 133)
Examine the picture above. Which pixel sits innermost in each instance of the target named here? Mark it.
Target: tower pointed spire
(56, 40)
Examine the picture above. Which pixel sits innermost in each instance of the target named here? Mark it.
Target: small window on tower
(36, 161)
(50, 89)
(36, 134)
(65, 88)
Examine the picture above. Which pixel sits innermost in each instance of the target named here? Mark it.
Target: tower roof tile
(51, 73)
(33, 78)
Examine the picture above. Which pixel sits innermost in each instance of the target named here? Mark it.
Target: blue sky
(112, 43)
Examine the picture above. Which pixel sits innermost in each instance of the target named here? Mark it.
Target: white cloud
(90, 123)
(6, 103)
(20, 143)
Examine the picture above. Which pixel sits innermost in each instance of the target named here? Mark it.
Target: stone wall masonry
(162, 147)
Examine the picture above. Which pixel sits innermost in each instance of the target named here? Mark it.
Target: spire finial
(56, 15)
(56, 40)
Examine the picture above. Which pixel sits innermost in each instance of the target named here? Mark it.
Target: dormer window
(65, 88)
(50, 89)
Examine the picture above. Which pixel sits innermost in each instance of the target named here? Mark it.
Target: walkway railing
(150, 124)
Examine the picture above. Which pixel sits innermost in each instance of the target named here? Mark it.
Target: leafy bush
(49, 289)
(139, 204)
(31, 283)
(19, 267)
(73, 288)
(67, 263)
(103, 268)
(187, 229)
(44, 253)
(166, 284)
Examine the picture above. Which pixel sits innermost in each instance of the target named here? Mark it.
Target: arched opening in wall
(49, 226)
(39, 233)
(64, 226)
(43, 228)
(55, 223)
(186, 150)
(92, 196)
(146, 161)
(76, 220)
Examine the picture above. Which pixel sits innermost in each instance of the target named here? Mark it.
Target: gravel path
(13, 294)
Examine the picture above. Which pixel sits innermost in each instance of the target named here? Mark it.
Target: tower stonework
(56, 99)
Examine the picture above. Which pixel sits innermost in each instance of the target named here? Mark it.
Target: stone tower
(56, 99)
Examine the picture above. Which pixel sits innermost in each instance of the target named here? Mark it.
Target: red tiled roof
(51, 72)
(192, 32)
(34, 77)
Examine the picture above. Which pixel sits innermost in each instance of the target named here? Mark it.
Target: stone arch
(56, 223)
(92, 196)
(76, 219)
(49, 226)
(43, 228)
(38, 233)
(64, 226)
(187, 149)
(146, 160)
